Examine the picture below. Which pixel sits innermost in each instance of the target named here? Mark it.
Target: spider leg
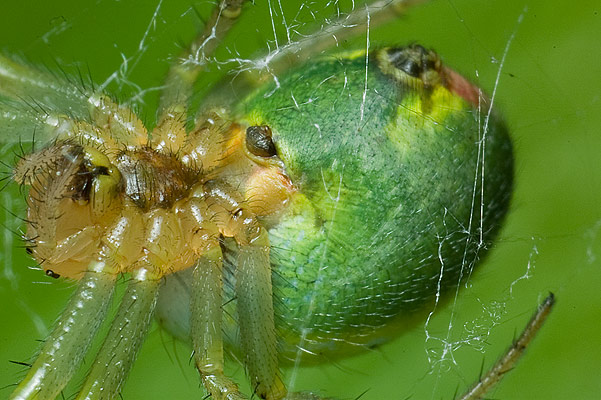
(40, 101)
(206, 330)
(328, 37)
(68, 343)
(345, 28)
(42, 91)
(182, 74)
(513, 354)
(118, 124)
(256, 316)
(126, 335)
(253, 288)
(206, 299)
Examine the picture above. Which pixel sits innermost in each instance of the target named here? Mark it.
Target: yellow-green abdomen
(391, 195)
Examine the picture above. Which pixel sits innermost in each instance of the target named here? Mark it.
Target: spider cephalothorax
(87, 196)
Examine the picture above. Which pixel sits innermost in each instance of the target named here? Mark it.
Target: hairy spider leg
(338, 30)
(506, 363)
(253, 276)
(207, 299)
(40, 104)
(70, 339)
(205, 303)
(346, 27)
(127, 333)
(255, 315)
(182, 75)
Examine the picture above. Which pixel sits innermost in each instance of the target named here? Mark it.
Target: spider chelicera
(308, 219)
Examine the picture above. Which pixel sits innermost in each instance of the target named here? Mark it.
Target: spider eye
(258, 141)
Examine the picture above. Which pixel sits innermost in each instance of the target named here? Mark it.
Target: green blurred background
(549, 90)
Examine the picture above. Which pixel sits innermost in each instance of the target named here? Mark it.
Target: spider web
(543, 82)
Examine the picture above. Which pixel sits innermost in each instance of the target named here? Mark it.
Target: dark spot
(100, 171)
(83, 181)
(52, 274)
(29, 250)
(258, 141)
(414, 59)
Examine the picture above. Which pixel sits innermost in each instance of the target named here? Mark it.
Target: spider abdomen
(394, 204)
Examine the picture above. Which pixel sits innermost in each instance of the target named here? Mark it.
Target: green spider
(298, 216)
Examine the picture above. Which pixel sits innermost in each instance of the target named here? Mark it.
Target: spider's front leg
(255, 311)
